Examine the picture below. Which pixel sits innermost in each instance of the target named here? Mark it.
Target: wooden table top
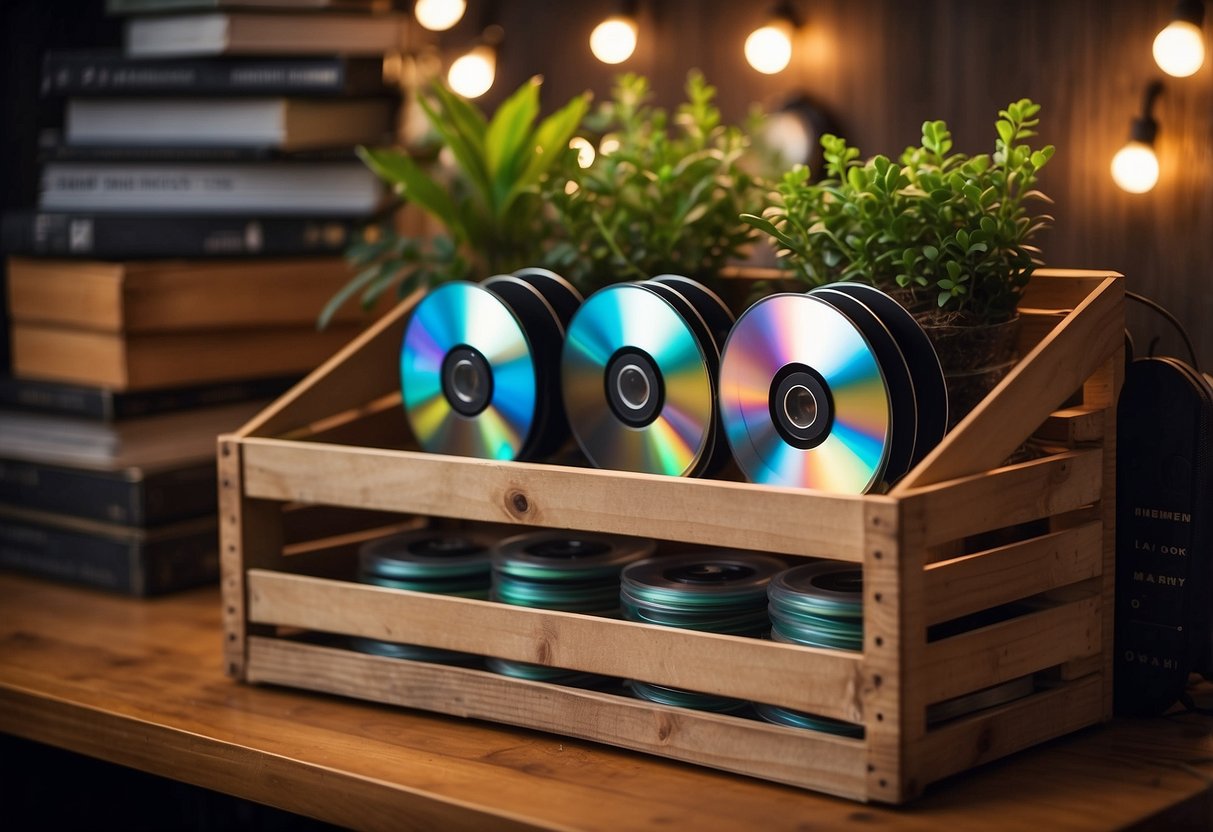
(139, 683)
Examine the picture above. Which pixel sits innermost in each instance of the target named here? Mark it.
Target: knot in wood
(516, 503)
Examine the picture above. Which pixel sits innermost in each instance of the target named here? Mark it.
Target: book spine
(114, 74)
(133, 237)
(127, 567)
(158, 497)
(100, 404)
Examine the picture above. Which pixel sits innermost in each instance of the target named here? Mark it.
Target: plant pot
(974, 359)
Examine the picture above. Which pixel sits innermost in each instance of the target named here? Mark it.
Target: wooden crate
(934, 549)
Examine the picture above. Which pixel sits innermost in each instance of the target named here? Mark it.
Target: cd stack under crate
(1026, 548)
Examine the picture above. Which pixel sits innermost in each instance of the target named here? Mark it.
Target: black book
(106, 405)
(122, 559)
(107, 73)
(52, 147)
(131, 496)
(133, 236)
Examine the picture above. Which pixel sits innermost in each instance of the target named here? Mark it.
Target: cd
(930, 387)
(479, 370)
(799, 719)
(819, 604)
(638, 375)
(804, 400)
(896, 372)
(428, 555)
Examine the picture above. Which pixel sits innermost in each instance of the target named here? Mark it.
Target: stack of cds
(446, 563)
(558, 570)
(480, 366)
(718, 592)
(639, 377)
(819, 604)
(837, 389)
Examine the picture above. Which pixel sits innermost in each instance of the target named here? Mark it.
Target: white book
(240, 33)
(284, 123)
(287, 188)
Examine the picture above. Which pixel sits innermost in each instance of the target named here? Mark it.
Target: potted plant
(663, 194)
(487, 198)
(949, 234)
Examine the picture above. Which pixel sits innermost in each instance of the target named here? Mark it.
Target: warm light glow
(1135, 167)
(472, 74)
(1179, 49)
(769, 49)
(585, 151)
(608, 145)
(614, 40)
(439, 15)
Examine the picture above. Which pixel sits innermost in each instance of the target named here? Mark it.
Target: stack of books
(166, 287)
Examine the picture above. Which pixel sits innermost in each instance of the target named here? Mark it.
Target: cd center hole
(465, 381)
(633, 387)
(800, 406)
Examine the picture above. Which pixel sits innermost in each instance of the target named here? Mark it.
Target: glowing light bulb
(472, 74)
(769, 48)
(1179, 49)
(585, 151)
(1135, 167)
(439, 15)
(614, 40)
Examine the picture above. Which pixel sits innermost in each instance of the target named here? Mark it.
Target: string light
(768, 49)
(1179, 49)
(439, 15)
(1135, 166)
(472, 74)
(614, 40)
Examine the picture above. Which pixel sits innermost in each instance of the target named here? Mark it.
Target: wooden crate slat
(1001, 652)
(788, 755)
(718, 514)
(818, 681)
(1074, 425)
(1008, 573)
(1033, 389)
(997, 499)
(971, 741)
(1062, 289)
(363, 370)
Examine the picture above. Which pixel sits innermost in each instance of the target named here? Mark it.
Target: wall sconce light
(769, 47)
(614, 39)
(1135, 166)
(1179, 49)
(472, 73)
(439, 15)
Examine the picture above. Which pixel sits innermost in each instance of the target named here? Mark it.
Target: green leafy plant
(663, 195)
(942, 229)
(489, 203)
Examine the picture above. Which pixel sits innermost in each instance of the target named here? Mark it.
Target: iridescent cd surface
(787, 336)
(450, 318)
(631, 326)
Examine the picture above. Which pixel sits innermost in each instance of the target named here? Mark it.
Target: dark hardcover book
(122, 559)
(104, 73)
(131, 497)
(133, 236)
(52, 147)
(112, 405)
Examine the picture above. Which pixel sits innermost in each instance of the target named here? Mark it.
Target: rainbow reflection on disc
(468, 374)
(803, 399)
(637, 382)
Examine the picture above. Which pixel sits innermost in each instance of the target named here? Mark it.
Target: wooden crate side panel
(1033, 389)
(818, 681)
(1008, 650)
(714, 513)
(1004, 497)
(959, 746)
(1008, 573)
(1073, 426)
(1061, 289)
(788, 755)
(367, 368)
(1103, 390)
(250, 536)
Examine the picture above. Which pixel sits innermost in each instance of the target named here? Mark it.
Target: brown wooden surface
(141, 683)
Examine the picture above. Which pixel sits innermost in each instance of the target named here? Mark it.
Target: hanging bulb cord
(1161, 310)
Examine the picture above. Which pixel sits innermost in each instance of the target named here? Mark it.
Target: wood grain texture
(787, 755)
(714, 513)
(805, 678)
(141, 684)
(1008, 573)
